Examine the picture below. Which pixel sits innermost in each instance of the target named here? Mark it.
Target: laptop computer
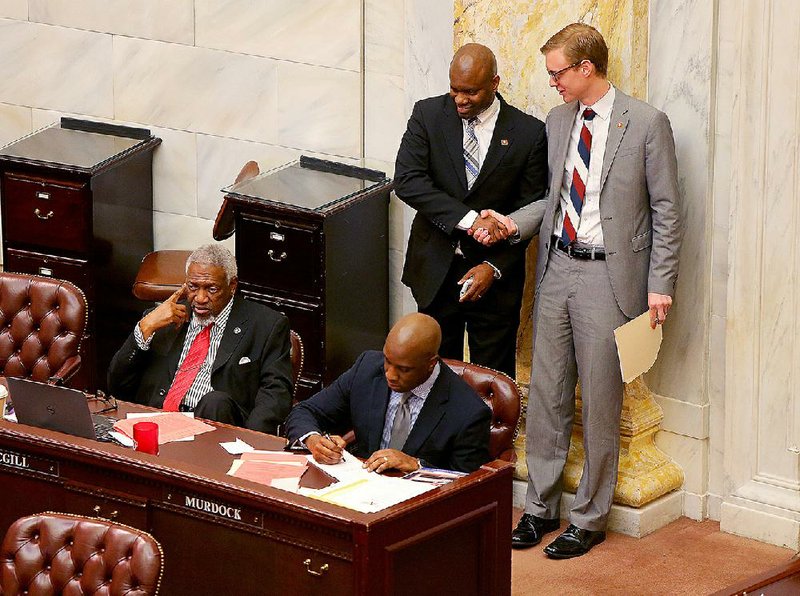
(57, 408)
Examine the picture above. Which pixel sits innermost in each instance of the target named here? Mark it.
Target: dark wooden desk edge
(762, 580)
(88, 450)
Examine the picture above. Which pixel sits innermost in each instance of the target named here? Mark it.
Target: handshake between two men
(491, 226)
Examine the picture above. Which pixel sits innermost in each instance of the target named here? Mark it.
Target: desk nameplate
(195, 503)
(31, 463)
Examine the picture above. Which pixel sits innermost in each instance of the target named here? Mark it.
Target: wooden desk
(222, 535)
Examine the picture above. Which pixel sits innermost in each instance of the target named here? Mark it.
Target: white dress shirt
(589, 229)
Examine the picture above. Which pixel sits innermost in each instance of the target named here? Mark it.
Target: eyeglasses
(556, 74)
(110, 402)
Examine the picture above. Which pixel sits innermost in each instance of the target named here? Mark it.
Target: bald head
(474, 57)
(473, 79)
(411, 351)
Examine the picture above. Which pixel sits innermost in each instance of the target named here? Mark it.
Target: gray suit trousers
(574, 321)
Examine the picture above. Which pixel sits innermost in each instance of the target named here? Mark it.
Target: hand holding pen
(326, 449)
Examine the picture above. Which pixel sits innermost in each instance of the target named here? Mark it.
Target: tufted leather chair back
(57, 553)
(42, 321)
(503, 396)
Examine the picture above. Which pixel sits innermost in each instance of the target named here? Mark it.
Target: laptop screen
(47, 406)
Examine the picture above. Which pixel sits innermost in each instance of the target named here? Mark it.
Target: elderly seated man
(406, 408)
(206, 350)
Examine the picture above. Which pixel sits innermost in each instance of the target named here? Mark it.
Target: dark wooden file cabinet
(77, 204)
(312, 242)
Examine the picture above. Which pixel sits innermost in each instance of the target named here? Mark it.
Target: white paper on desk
(637, 346)
(237, 447)
(123, 439)
(290, 484)
(349, 468)
(371, 493)
(150, 414)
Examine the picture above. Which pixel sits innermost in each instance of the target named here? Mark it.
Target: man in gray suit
(609, 236)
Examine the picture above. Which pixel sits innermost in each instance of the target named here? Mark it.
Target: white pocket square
(244, 360)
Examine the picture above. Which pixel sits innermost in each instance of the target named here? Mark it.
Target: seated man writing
(206, 351)
(406, 408)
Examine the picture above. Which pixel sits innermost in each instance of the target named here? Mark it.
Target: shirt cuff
(141, 343)
(497, 274)
(467, 221)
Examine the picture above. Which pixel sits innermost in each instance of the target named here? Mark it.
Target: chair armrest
(66, 372)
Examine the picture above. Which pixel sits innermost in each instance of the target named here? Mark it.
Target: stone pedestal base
(631, 521)
(645, 472)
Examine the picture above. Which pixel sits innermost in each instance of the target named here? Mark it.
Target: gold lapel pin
(504, 141)
(620, 125)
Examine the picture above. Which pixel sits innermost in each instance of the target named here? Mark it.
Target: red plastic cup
(145, 437)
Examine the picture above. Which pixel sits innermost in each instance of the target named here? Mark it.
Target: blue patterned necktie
(471, 153)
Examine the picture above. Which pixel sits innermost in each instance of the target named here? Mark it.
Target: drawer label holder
(219, 509)
(24, 461)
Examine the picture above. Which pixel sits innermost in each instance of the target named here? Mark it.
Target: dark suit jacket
(430, 177)
(451, 431)
(262, 388)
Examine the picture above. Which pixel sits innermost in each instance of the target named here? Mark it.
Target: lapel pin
(504, 141)
(238, 330)
(620, 125)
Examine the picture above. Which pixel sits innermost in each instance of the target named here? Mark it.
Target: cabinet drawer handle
(38, 214)
(276, 257)
(310, 571)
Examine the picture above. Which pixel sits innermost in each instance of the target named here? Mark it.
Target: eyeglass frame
(556, 74)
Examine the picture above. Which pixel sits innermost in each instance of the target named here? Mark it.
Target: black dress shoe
(530, 529)
(573, 542)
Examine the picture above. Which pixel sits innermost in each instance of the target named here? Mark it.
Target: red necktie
(577, 192)
(188, 371)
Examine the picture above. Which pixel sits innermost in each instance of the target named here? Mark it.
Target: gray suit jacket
(639, 200)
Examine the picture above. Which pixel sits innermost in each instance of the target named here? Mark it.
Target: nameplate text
(24, 461)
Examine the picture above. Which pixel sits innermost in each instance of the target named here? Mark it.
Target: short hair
(580, 42)
(216, 255)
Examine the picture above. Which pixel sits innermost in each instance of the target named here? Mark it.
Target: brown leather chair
(503, 396)
(162, 272)
(42, 321)
(298, 359)
(58, 553)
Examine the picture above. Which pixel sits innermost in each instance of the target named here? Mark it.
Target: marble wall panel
(319, 109)
(323, 32)
(175, 172)
(183, 232)
(384, 36)
(56, 68)
(428, 49)
(150, 19)
(219, 161)
(14, 9)
(680, 83)
(15, 122)
(194, 89)
(384, 115)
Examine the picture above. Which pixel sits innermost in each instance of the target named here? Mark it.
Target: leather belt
(586, 253)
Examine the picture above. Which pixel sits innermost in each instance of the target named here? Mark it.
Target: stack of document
(172, 426)
(360, 490)
(273, 468)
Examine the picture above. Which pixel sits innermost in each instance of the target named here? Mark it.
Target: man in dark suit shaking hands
(463, 152)
(406, 407)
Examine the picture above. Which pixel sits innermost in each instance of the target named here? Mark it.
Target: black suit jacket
(430, 177)
(262, 387)
(451, 431)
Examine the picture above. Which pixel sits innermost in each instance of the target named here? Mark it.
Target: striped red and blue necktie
(577, 191)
